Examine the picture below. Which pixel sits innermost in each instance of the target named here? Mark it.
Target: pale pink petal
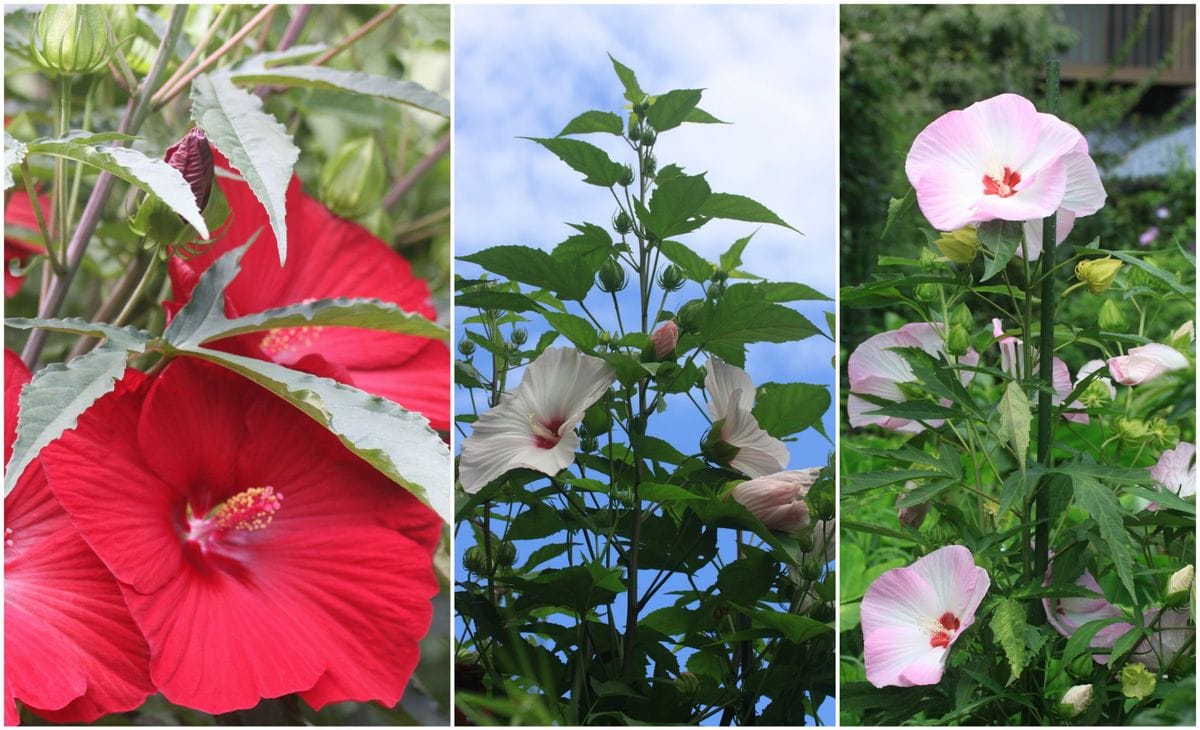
(1055, 139)
(875, 358)
(1145, 363)
(1176, 469)
(759, 454)
(1092, 366)
(1037, 197)
(1062, 388)
(958, 584)
(1085, 193)
(949, 203)
(727, 386)
(777, 500)
(859, 411)
(901, 656)
(1064, 222)
(1163, 647)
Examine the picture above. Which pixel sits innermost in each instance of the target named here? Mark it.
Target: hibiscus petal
(1036, 197)
(727, 386)
(901, 656)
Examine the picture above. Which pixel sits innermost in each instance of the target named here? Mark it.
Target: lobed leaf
(633, 92)
(254, 142)
(1009, 626)
(1102, 504)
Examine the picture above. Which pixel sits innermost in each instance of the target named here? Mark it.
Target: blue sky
(769, 71)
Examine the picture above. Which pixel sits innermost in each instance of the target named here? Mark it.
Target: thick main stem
(1046, 359)
(55, 292)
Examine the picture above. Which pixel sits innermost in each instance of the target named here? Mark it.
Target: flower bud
(687, 683)
(505, 554)
(719, 276)
(777, 500)
(958, 342)
(475, 560)
(519, 336)
(665, 338)
(959, 246)
(962, 316)
(649, 165)
(1162, 435)
(1183, 337)
(589, 444)
(671, 278)
(1098, 274)
(194, 159)
(640, 108)
(605, 338)
(635, 130)
(1097, 393)
(649, 137)
(353, 180)
(927, 292)
(1179, 586)
(611, 277)
(1082, 666)
(1137, 682)
(911, 516)
(1133, 431)
(71, 39)
(466, 347)
(1111, 318)
(1075, 700)
(626, 177)
(688, 316)
(621, 222)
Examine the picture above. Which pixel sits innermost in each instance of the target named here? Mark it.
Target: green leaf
(740, 318)
(52, 402)
(740, 208)
(788, 291)
(398, 443)
(1102, 504)
(633, 92)
(694, 266)
(732, 258)
(14, 153)
(671, 109)
(1081, 638)
(408, 93)
(898, 209)
(674, 205)
(207, 301)
(151, 175)
(569, 279)
(372, 314)
(1015, 418)
(783, 409)
(1009, 627)
(1001, 238)
(583, 157)
(128, 338)
(256, 145)
(748, 578)
(699, 116)
(593, 122)
(488, 299)
(578, 330)
(592, 245)
(793, 627)
(1154, 272)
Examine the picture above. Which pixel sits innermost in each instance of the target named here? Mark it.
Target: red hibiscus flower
(71, 650)
(327, 257)
(19, 218)
(258, 555)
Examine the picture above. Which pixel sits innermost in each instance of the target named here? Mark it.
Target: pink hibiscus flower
(911, 616)
(72, 653)
(1145, 363)
(778, 499)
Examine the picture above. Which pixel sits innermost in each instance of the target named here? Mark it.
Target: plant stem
(291, 34)
(354, 37)
(170, 92)
(413, 176)
(54, 293)
(135, 297)
(1045, 433)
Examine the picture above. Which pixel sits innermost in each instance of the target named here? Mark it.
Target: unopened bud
(193, 157)
(962, 316)
(71, 39)
(475, 560)
(519, 335)
(665, 338)
(505, 554)
(958, 342)
(1133, 431)
(911, 516)
(1076, 700)
(1098, 274)
(1082, 666)
(621, 222)
(612, 277)
(959, 246)
(688, 316)
(1183, 337)
(649, 165)
(687, 683)
(649, 137)
(1096, 394)
(466, 347)
(626, 177)
(927, 292)
(671, 278)
(589, 444)
(1179, 586)
(1111, 318)
(353, 180)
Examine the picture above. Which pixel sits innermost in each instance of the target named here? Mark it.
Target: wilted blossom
(1149, 236)
(665, 338)
(1012, 362)
(777, 500)
(755, 453)
(1066, 615)
(1001, 159)
(533, 427)
(875, 369)
(1145, 363)
(913, 515)
(911, 616)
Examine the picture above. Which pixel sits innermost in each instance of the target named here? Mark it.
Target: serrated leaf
(633, 92)
(699, 116)
(674, 205)
(732, 258)
(1001, 238)
(790, 291)
(408, 93)
(207, 301)
(149, 174)
(591, 122)
(569, 279)
(52, 402)
(898, 209)
(1102, 504)
(1015, 417)
(254, 142)
(129, 338)
(14, 153)
(741, 208)
(1009, 627)
(742, 316)
(694, 266)
(671, 109)
(594, 163)
(372, 314)
(397, 442)
(592, 245)
(500, 300)
(578, 330)
(783, 409)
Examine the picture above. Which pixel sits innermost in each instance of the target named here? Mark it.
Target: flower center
(250, 510)
(1005, 186)
(279, 341)
(545, 435)
(942, 631)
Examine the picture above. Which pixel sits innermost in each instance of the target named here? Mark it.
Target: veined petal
(759, 454)
(958, 584)
(1038, 196)
(1145, 363)
(728, 387)
(1064, 222)
(1176, 469)
(562, 383)
(1084, 194)
(901, 656)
